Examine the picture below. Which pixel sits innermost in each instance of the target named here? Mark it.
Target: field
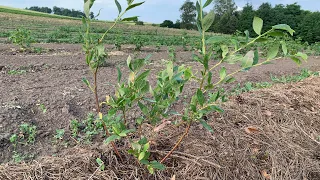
(44, 89)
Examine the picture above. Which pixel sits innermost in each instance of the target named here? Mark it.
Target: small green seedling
(21, 37)
(101, 164)
(28, 132)
(59, 134)
(14, 140)
(74, 126)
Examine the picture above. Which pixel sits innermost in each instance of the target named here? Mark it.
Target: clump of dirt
(271, 134)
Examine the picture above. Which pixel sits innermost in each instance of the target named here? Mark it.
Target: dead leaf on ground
(173, 177)
(267, 113)
(265, 174)
(251, 130)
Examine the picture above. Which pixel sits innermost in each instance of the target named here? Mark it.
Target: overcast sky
(153, 11)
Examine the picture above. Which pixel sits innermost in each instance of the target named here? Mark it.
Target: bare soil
(284, 147)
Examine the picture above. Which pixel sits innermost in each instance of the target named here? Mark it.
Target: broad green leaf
(276, 33)
(255, 57)
(141, 155)
(206, 125)
(296, 60)
(144, 140)
(208, 20)
(302, 55)
(143, 108)
(144, 162)
(157, 165)
(261, 39)
(208, 2)
(216, 40)
(112, 138)
(87, 6)
(170, 69)
(225, 50)
(119, 74)
(284, 27)
(137, 64)
(273, 52)
(118, 6)
(223, 73)
(150, 169)
(146, 147)
(136, 146)
(133, 18)
(143, 75)
(284, 47)
(247, 60)
(134, 5)
(200, 97)
(230, 80)
(257, 25)
(101, 164)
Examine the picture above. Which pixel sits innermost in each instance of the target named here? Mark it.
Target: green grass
(33, 13)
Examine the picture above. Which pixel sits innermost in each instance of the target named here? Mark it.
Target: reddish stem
(178, 143)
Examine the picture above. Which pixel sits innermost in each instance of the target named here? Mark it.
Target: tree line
(229, 20)
(60, 11)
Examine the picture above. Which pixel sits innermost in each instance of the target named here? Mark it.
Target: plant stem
(98, 111)
(178, 143)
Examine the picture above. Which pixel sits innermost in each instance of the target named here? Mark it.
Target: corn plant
(156, 102)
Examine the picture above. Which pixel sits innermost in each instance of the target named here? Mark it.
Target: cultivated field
(270, 127)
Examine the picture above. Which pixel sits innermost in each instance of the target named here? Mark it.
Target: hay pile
(267, 134)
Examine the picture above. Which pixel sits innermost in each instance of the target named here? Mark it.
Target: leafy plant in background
(138, 43)
(118, 43)
(21, 37)
(172, 53)
(156, 102)
(28, 132)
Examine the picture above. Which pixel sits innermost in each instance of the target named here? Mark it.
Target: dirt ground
(287, 116)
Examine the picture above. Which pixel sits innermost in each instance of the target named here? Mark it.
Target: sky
(152, 11)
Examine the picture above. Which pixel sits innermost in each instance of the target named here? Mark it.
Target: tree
(245, 19)
(309, 29)
(177, 25)
(266, 13)
(188, 15)
(224, 6)
(167, 23)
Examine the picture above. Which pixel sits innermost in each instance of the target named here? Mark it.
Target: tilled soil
(53, 79)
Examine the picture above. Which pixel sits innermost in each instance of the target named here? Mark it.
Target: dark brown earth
(54, 79)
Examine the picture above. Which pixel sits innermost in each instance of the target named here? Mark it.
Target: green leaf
(284, 47)
(86, 82)
(100, 163)
(208, 20)
(247, 33)
(247, 60)
(144, 162)
(230, 80)
(144, 140)
(209, 77)
(223, 73)
(157, 165)
(208, 2)
(262, 40)
(296, 60)
(119, 74)
(150, 169)
(143, 75)
(134, 5)
(198, 12)
(302, 55)
(118, 6)
(255, 57)
(133, 18)
(112, 138)
(284, 27)
(206, 125)
(146, 147)
(225, 50)
(276, 33)
(87, 6)
(170, 69)
(216, 40)
(143, 108)
(141, 155)
(273, 52)
(200, 97)
(257, 25)
(129, 62)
